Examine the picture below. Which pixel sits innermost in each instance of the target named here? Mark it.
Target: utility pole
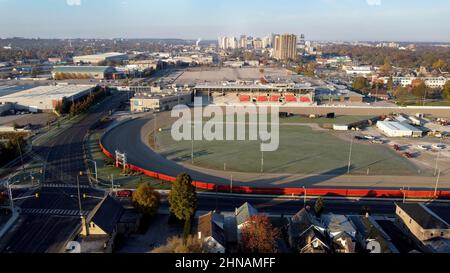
(79, 198)
(11, 202)
(350, 155)
(21, 157)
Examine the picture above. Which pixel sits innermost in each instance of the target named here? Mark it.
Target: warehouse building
(84, 72)
(398, 129)
(45, 98)
(99, 58)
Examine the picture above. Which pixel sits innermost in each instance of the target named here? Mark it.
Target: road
(49, 221)
(131, 138)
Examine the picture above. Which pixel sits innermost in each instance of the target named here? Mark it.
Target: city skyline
(192, 19)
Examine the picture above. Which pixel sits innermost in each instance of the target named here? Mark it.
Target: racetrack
(131, 137)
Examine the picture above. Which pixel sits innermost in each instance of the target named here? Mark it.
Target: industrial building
(84, 72)
(164, 100)
(99, 58)
(398, 129)
(45, 98)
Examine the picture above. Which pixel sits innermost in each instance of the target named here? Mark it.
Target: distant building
(84, 72)
(359, 70)
(99, 58)
(431, 82)
(164, 100)
(211, 231)
(285, 47)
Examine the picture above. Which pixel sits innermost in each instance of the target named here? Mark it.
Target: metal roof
(82, 69)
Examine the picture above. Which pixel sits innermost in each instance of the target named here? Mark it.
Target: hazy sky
(399, 20)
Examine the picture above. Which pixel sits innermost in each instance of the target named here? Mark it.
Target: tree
(390, 84)
(180, 246)
(439, 64)
(420, 89)
(259, 236)
(360, 83)
(146, 200)
(386, 68)
(446, 91)
(319, 206)
(183, 200)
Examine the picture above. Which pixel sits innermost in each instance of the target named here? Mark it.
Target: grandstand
(280, 94)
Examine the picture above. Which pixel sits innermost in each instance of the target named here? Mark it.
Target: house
(370, 236)
(341, 231)
(313, 240)
(243, 214)
(101, 226)
(211, 231)
(429, 226)
(306, 234)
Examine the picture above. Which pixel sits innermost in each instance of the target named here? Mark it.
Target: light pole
(437, 160)
(192, 151)
(262, 161)
(350, 155)
(304, 197)
(231, 183)
(95, 168)
(437, 184)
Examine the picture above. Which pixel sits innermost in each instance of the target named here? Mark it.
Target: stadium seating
(291, 98)
(244, 98)
(305, 99)
(263, 98)
(274, 98)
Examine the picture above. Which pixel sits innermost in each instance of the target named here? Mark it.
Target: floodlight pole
(437, 161)
(231, 183)
(350, 155)
(304, 197)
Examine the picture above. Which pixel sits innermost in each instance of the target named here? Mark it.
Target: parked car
(408, 155)
(124, 193)
(397, 147)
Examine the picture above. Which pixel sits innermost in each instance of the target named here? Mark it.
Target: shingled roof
(106, 214)
(211, 225)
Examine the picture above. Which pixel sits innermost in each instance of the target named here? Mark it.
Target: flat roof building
(398, 129)
(83, 72)
(98, 58)
(164, 100)
(45, 98)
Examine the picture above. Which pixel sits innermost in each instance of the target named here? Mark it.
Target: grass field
(106, 170)
(302, 151)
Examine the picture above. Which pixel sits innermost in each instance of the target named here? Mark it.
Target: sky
(342, 20)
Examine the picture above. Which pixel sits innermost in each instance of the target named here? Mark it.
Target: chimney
(199, 235)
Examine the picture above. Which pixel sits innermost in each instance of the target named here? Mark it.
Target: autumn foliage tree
(259, 236)
(146, 200)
